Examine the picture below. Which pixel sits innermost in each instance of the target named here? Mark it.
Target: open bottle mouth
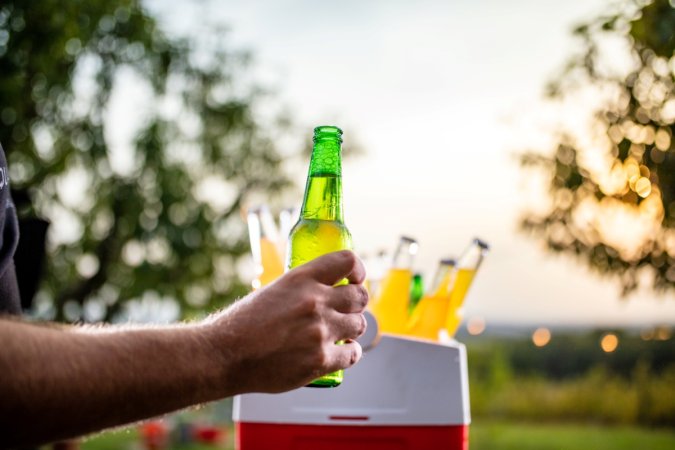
(327, 132)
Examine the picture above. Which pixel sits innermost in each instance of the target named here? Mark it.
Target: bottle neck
(326, 158)
(405, 253)
(323, 192)
(323, 198)
(473, 255)
(443, 279)
(417, 288)
(268, 228)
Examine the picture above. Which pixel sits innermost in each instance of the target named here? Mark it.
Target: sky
(440, 95)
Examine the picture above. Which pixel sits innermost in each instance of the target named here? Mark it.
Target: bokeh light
(643, 187)
(475, 326)
(647, 334)
(658, 333)
(662, 139)
(541, 336)
(662, 333)
(609, 342)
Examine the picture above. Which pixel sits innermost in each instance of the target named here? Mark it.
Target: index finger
(333, 267)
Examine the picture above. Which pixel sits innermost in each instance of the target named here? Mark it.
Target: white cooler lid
(398, 382)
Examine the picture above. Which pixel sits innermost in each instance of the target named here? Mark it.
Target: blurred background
(138, 134)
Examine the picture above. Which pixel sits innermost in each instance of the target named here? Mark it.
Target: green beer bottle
(416, 291)
(320, 228)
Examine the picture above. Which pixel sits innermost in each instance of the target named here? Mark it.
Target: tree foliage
(166, 224)
(612, 202)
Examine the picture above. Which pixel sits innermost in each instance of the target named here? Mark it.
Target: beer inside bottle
(429, 315)
(390, 307)
(264, 240)
(467, 266)
(320, 228)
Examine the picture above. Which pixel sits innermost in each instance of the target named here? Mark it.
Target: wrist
(222, 361)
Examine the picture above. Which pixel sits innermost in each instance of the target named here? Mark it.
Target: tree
(154, 228)
(612, 202)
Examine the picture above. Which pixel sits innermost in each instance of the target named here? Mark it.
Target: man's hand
(284, 335)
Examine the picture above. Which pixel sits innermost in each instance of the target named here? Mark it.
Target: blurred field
(506, 435)
(573, 380)
(128, 439)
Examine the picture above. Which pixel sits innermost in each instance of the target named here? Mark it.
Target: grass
(528, 436)
(484, 435)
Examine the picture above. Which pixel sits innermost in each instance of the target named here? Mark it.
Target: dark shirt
(9, 236)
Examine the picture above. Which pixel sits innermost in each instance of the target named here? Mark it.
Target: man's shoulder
(7, 213)
(9, 238)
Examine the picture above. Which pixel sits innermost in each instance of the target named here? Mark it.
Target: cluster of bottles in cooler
(401, 304)
(399, 300)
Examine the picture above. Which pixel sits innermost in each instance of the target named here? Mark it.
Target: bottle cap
(481, 243)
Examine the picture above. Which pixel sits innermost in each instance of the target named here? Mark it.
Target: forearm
(57, 384)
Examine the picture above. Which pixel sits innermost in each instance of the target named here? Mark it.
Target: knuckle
(363, 296)
(350, 258)
(317, 335)
(308, 305)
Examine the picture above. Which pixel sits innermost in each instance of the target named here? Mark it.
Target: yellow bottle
(467, 266)
(390, 307)
(429, 316)
(287, 218)
(266, 257)
(272, 264)
(376, 267)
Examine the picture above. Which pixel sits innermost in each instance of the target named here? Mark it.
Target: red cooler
(404, 394)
